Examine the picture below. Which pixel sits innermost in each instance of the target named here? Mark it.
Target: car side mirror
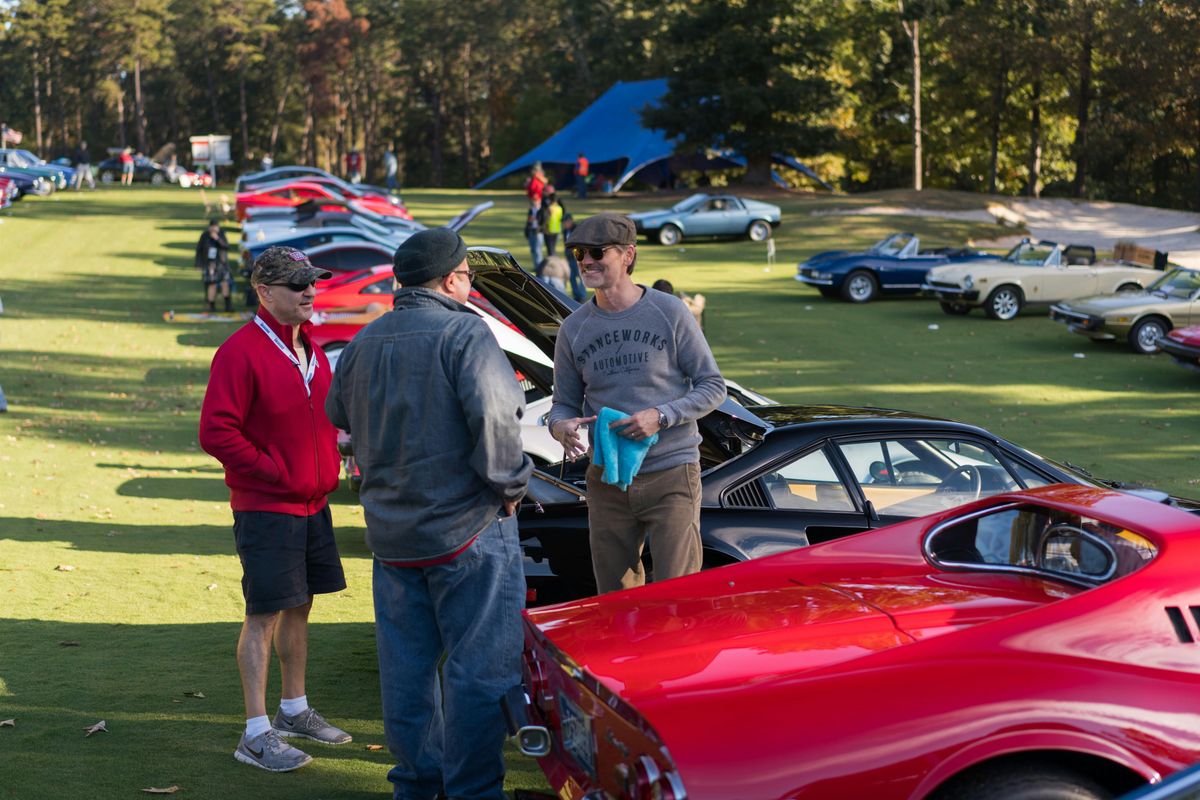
(1073, 551)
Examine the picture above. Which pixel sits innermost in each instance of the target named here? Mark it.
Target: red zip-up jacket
(278, 448)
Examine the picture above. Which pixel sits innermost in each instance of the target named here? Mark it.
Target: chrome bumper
(814, 281)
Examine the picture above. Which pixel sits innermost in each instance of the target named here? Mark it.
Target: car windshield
(1051, 542)
(1031, 254)
(689, 203)
(1179, 283)
(15, 159)
(892, 245)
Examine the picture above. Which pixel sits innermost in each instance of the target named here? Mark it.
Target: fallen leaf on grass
(8, 723)
(199, 695)
(97, 728)
(167, 790)
(68, 644)
(374, 747)
(212, 586)
(64, 568)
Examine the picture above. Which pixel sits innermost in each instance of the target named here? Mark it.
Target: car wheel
(759, 230)
(1129, 287)
(954, 309)
(1144, 334)
(1004, 303)
(1022, 781)
(860, 287)
(669, 235)
(156, 179)
(107, 176)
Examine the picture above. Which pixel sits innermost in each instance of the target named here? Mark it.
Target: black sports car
(144, 171)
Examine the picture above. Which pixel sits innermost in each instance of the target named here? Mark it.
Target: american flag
(11, 136)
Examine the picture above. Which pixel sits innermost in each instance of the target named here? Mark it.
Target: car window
(360, 258)
(809, 482)
(1035, 539)
(382, 286)
(1180, 283)
(1032, 254)
(893, 245)
(915, 476)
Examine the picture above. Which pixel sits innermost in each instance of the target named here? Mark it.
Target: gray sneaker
(267, 751)
(310, 725)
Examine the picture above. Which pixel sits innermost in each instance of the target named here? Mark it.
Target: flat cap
(602, 229)
(428, 254)
(285, 265)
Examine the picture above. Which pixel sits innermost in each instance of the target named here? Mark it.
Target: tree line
(1084, 98)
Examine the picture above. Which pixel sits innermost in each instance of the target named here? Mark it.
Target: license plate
(577, 735)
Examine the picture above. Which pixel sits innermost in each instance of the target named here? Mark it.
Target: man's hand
(566, 433)
(641, 425)
(510, 507)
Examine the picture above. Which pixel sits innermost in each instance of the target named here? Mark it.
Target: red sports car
(1040, 644)
(293, 193)
(8, 191)
(1184, 346)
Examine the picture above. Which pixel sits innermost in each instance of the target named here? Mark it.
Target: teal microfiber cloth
(620, 456)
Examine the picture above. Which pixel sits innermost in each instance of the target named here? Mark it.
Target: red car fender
(1031, 741)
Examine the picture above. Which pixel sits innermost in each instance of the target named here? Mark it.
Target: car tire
(759, 230)
(1144, 332)
(156, 179)
(860, 287)
(1022, 781)
(108, 176)
(1130, 287)
(669, 235)
(1004, 303)
(954, 309)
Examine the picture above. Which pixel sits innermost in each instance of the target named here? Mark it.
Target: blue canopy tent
(610, 133)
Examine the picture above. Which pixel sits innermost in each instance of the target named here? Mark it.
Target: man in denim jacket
(434, 410)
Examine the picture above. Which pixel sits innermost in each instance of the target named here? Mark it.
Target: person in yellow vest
(581, 176)
(552, 220)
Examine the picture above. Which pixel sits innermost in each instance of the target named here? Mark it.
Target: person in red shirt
(534, 185)
(581, 176)
(264, 419)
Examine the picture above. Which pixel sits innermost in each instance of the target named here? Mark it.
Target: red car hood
(762, 626)
(1189, 336)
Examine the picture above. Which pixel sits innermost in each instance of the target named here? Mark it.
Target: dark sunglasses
(296, 287)
(470, 273)
(597, 253)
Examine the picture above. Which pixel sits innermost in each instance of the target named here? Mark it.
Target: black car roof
(784, 416)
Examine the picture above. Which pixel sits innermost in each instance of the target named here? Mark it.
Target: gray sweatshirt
(651, 355)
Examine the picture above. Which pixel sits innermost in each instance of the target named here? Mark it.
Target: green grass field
(121, 597)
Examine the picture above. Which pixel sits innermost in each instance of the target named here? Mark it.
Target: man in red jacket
(264, 419)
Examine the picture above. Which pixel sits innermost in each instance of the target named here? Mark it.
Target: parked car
(27, 182)
(1140, 318)
(349, 256)
(144, 171)
(293, 193)
(1183, 345)
(1032, 273)
(8, 191)
(1038, 644)
(275, 174)
(187, 179)
(708, 215)
(63, 174)
(895, 265)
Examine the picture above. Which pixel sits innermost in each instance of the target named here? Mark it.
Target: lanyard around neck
(283, 348)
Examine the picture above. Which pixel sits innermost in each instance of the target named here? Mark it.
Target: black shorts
(286, 559)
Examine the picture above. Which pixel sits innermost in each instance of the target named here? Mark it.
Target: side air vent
(1179, 622)
(748, 495)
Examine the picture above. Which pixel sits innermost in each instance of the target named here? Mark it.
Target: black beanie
(428, 254)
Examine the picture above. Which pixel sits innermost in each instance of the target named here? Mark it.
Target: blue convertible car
(708, 215)
(896, 265)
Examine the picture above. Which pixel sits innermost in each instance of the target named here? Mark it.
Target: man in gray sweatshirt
(637, 351)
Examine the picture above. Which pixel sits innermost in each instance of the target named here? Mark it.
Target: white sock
(294, 706)
(257, 726)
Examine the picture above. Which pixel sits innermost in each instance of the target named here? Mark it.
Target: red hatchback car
(1040, 644)
(293, 193)
(1183, 344)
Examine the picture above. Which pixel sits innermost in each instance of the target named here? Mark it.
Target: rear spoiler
(1130, 253)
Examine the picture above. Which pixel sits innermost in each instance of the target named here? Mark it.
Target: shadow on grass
(58, 678)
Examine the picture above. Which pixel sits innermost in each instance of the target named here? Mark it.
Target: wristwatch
(662, 420)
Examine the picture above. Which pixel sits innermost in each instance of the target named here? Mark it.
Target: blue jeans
(535, 250)
(578, 290)
(445, 727)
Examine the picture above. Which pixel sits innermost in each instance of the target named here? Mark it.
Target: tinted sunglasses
(597, 253)
(296, 287)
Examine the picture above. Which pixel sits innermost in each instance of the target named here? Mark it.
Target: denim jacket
(434, 411)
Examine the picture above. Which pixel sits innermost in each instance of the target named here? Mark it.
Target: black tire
(156, 179)
(108, 176)
(1144, 332)
(759, 230)
(1004, 303)
(861, 286)
(828, 291)
(1023, 781)
(954, 309)
(1130, 287)
(669, 235)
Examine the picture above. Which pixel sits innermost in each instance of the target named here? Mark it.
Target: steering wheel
(974, 481)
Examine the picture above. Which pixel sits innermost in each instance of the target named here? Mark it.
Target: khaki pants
(663, 505)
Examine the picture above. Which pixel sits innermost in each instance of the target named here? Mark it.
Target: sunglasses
(597, 253)
(470, 273)
(296, 287)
